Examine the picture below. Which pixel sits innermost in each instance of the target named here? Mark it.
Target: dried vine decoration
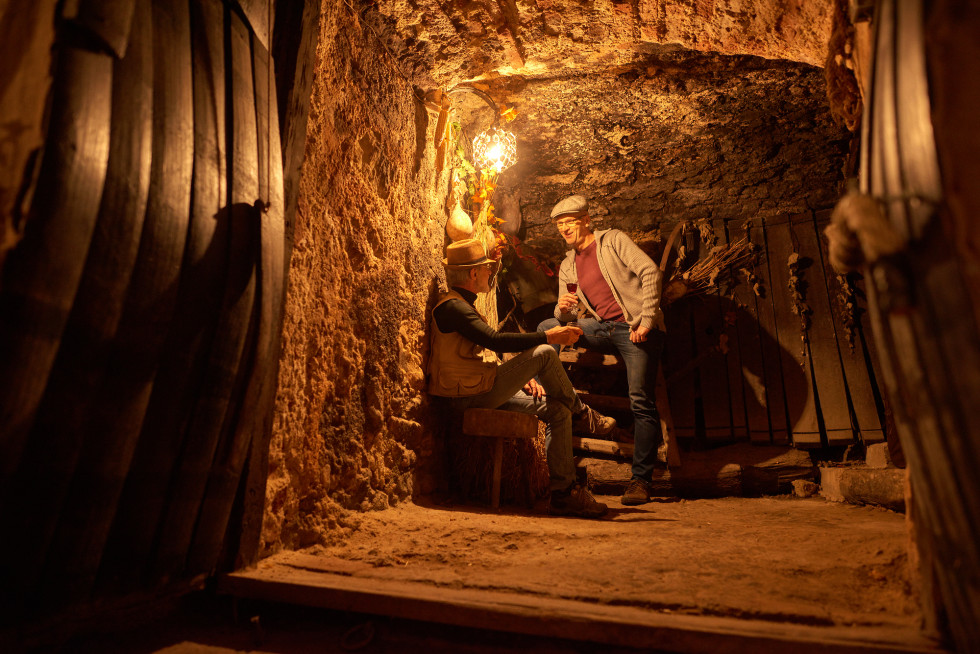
(712, 271)
(707, 232)
(797, 293)
(843, 93)
(846, 301)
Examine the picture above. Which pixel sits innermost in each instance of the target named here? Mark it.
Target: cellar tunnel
(224, 224)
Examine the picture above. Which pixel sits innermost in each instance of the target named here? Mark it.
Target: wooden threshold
(527, 613)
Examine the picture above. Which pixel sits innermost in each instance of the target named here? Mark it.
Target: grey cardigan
(632, 276)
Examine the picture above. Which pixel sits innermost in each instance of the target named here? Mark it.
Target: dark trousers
(641, 361)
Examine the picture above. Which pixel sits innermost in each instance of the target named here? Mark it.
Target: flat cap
(573, 204)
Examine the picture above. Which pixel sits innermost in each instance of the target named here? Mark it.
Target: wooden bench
(501, 426)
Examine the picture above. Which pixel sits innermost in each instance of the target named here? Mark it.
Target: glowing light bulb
(495, 150)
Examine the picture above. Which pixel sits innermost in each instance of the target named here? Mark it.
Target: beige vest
(458, 367)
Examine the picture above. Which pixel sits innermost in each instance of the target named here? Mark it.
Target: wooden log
(883, 487)
(225, 356)
(598, 445)
(109, 21)
(797, 378)
(613, 403)
(823, 352)
(91, 488)
(252, 430)
(733, 470)
(772, 354)
(41, 275)
(591, 359)
(151, 301)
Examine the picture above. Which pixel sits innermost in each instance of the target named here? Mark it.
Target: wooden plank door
(730, 347)
(679, 354)
(711, 372)
(772, 353)
(797, 378)
(858, 370)
(749, 344)
(822, 349)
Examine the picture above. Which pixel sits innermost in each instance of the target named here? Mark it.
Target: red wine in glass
(573, 323)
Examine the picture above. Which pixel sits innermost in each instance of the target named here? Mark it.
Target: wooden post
(501, 425)
(498, 459)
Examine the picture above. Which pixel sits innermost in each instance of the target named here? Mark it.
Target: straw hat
(467, 253)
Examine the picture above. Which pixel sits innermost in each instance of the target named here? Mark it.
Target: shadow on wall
(728, 377)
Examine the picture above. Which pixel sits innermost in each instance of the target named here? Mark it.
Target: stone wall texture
(444, 43)
(350, 422)
(660, 111)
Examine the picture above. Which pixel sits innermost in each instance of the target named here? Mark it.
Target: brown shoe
(576, 500)
(637, 492)
(590, 421)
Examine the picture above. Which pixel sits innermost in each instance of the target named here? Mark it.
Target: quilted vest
(458, 367)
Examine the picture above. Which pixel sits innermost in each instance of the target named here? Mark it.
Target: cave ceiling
(657, 110)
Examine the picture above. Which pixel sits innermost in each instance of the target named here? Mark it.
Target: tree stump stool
(499, 425)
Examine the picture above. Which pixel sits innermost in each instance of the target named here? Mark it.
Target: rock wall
(445, 43)
(648, 124)
(350, 422)
(680, 136)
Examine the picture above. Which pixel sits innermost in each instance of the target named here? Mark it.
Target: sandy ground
(785, 559)
(805, 561)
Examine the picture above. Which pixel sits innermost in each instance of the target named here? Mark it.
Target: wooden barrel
(924, 325)
(140, 315)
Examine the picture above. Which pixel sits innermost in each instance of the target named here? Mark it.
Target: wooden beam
(622, 626)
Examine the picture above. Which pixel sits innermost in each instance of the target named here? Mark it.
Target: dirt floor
(769, 560)
(805, 561)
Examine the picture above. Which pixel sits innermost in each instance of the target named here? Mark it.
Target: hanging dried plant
(712, 271)
(846, 307)
(707, 232)
(796, 286)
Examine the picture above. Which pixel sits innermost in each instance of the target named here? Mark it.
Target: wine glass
(572, 287)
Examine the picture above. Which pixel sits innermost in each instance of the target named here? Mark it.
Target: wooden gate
(783, 358)
(140, 313)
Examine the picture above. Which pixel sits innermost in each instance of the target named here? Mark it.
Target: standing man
(619, 287)
(464, 367)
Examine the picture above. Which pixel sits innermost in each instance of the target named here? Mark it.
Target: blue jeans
(555, 409)
(641, 361)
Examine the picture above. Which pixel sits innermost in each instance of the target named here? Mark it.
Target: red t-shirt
(594, 285)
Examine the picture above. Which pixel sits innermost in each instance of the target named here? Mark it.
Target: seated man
(619, 287)
(464, 367)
